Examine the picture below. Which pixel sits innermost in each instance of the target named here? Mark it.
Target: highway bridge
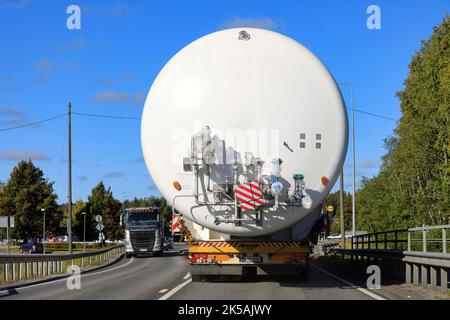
(167, 278)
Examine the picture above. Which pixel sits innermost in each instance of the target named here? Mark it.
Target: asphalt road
(167, 277)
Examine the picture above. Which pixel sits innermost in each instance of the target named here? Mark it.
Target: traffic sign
(4, 222)
(330, 208)
(100, 227)
(98, 218)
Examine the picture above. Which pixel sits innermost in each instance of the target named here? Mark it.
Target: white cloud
(10, 85)
(365, 164)
(45, 65)
(17, 155)
(114, 174)
(18, 4)
(263, 23)
(11, 112)
(152, 188)
(128, 77)
(119, 97)
(13, 117)
(117, 9)
(72, 45)
(369, 164)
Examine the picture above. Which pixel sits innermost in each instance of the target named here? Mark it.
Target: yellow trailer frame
(248, 252)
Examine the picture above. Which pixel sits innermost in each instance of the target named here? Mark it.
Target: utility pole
(341, 210)
(84, 231)
(69, 204)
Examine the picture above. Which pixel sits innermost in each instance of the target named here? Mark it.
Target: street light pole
(84, 231)
(7, 233)
(353, 158)
(342, 210)
(69, 202)
(43, 234)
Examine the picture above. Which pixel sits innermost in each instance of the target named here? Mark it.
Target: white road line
(187, 276)
(65, 278)
(354, 286)
(175, 290)
(163, 291)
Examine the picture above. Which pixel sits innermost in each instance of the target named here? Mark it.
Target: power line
(374, 115)
(33, 123)
(105, 116)
(138, 118)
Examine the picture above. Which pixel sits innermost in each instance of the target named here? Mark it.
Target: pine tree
(24, 195)
(102, 202)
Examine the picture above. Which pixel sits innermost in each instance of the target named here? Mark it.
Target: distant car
(32, 246)
(334, 236)
(168, 243)
(337, 236)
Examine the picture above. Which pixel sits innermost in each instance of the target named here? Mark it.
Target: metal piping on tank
(201, 143)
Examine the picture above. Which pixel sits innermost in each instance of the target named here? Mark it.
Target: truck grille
(142, 239)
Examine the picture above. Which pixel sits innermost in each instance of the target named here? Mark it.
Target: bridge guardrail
(391, 239)
(28, 266)
(433, 265)
(422, 266)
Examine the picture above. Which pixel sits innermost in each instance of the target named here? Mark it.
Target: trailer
(258, 136)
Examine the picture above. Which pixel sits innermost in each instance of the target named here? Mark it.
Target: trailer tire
(303, 276)
(198, 278)
(249, 273)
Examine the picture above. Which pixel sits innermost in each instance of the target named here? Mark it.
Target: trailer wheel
(249, 273)
(198, 278)
(303, 276)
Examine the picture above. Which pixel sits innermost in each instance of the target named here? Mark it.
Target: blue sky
(108, 66)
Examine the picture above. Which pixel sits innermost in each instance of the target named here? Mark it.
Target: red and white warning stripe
(271, 244)
(249, 195)
(175, 223)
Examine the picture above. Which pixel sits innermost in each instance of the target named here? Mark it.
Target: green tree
(102, 202)
(333, 199)
(78, 219)
(413, 186)
(24, 195)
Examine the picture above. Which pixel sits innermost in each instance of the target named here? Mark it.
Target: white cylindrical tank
(265, 98)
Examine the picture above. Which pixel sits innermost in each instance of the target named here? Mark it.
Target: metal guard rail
(421, 267)
(24, 258)
(32, 266)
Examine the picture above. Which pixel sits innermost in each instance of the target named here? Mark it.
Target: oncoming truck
(143, 231)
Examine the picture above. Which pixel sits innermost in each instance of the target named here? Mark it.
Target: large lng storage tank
(245, 132)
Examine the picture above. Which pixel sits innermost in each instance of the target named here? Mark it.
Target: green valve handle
(298, 177)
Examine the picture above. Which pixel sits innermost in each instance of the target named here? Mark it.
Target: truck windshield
(141, 217)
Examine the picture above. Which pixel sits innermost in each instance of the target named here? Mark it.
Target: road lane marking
(108, 270)
(187, 276)
(354, 286)
(175, 290)
(65, 278)
(163, 290)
